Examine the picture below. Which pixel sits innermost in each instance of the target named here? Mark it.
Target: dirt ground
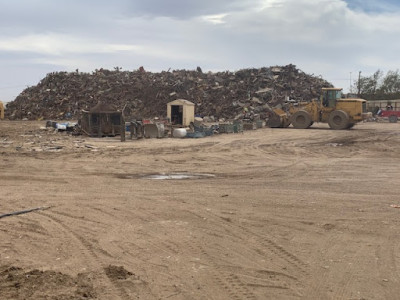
(267, 214)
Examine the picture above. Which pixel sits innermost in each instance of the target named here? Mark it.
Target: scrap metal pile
(142, 94)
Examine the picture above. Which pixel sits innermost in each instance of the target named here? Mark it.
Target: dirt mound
(15, 283)
(117, 272)
(62, 95)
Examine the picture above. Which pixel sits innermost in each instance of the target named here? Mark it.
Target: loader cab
(329, 96)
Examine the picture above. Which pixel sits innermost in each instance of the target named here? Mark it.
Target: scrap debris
(141, 94)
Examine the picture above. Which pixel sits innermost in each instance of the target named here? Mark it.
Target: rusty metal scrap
(141, 94)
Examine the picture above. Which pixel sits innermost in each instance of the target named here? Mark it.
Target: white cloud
(215, 19)
(267, 4)
(58, 44)
(324, 37)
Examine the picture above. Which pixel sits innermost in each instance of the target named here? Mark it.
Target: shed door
(177, 114)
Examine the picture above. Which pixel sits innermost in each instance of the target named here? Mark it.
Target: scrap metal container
(226, 128)
(102, 120)
(154, 130)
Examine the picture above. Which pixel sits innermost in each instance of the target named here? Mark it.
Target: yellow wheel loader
(331, 108)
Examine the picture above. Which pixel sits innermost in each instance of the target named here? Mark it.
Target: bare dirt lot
(268, 214)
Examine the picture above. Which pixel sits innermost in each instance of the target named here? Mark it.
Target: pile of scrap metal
(144, 94)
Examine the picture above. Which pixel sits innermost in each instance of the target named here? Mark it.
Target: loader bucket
(279, 119)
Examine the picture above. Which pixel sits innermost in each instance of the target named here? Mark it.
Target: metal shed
(102, 120)
(180, 112)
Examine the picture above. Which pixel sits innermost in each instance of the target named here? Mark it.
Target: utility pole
(359, 83)
(350, 89)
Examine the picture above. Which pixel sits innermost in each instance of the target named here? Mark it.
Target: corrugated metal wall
(382, 104)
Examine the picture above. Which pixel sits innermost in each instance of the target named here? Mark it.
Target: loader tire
(301, 119)
(393, 119)
(350, 125)
(286, 123)
(338, 120)
(274, 122)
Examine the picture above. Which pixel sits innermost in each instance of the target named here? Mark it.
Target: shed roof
(101, 107)
(181, 102)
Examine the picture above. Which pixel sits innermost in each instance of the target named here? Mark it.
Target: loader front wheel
(301, 119)
(338, 119)
(351, 125)
(286, 123)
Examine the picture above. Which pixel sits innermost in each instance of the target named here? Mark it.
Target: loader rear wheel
(301, 119)
(338, 119)
(393, 119)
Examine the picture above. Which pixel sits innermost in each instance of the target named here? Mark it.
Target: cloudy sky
(332, 38)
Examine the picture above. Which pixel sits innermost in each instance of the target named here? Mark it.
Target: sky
(334, 39)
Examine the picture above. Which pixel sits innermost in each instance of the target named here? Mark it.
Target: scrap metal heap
(142, 94)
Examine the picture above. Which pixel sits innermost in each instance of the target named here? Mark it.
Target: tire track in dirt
(235, 288)
(252, 148)
(257, 146)
(279, 251)
(111, 289)
(231, 278)
(236, 281)
(179, 148)
(349, 276)
(264, 241)
(227, 281)
(86, 228)
(75, 217)
(28, 227)
(230, 283)
(282, 148)
(146, 218)
(317, 289)
(20, 230)
(387, 256)
(161, 245)
(103, 211)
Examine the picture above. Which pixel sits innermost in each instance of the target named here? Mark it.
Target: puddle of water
(178, 176)
(170, 176)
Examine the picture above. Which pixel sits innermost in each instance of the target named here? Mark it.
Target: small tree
(391, 83)
(369, 85)
(378, 86)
